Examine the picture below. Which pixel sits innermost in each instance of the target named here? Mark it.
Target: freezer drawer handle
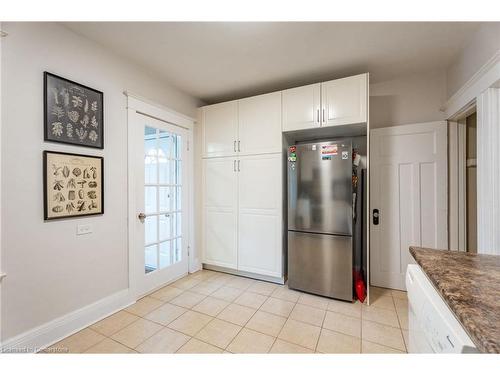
(375, 216)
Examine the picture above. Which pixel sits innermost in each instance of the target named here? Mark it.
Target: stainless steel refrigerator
(320, 218)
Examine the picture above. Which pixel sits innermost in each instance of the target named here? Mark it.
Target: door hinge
(189, 250)
(187, 145)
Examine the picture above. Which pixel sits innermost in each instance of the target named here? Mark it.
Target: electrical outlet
(83, 229)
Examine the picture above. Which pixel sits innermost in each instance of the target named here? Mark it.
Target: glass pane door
(162, 199)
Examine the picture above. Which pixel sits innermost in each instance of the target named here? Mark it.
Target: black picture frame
(47, 191)
(72, 122)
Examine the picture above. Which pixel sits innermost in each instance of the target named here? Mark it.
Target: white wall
(51, 271)
(483, 44)
(408, 99)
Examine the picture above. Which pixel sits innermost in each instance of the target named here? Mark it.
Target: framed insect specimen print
(73, 113)
(73, 185)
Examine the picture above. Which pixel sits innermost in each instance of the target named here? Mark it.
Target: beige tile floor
(212, 312)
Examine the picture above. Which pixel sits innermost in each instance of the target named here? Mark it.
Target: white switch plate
(83, 229)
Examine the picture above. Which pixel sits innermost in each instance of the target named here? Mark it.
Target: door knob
(141, 216)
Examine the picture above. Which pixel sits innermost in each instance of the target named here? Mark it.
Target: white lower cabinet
(243, 214)
(220, 212)
(260, 214)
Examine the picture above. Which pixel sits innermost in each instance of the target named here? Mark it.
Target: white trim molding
(488, 178)
(457, 216)
(49, 333)
(487, 75)
(147, 107)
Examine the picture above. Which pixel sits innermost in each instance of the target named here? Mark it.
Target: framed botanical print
(73, 113)
(73, 185)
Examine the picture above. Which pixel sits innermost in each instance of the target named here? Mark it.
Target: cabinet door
(259, 120)
(344, 101)
(220, 129)
(220, 212)
(301, 107)
(260, 217)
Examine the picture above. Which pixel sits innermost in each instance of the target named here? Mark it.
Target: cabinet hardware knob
(142, 216)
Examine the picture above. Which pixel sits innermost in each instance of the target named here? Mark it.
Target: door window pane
(178, 172)
(178, 146)
(165, 254)
(165, 227)
(178, 250)
(178, 225)
(150, 199)
(150, 258)
(151, 229)
(165, 199)
(164, 167)
(150, 156)
(165, 144)
(178, 198)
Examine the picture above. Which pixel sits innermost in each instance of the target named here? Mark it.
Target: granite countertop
(470, 286)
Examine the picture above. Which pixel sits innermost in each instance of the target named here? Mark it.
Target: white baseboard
(49, 333)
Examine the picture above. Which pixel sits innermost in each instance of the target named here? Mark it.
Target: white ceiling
(221, 61)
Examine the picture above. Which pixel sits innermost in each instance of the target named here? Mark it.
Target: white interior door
(408, 173)
(160, 193)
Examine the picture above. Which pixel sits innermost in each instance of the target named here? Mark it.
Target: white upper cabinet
(220, 129)
(259, 120)
(344, 101)
(301, 107)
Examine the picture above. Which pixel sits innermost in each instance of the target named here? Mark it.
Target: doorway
(158, 214)
(462, 138)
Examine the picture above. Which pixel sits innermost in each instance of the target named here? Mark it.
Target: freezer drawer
(320, 264)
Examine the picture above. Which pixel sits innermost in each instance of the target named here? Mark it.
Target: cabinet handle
(239, 146)
(234, 165)
(323, 117)
(317, 115)
(234, 146)
(238, 165)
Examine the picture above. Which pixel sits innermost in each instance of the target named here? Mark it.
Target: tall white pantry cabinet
(242, 186)
(243, 178)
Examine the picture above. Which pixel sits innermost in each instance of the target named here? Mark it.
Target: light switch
(83, 229)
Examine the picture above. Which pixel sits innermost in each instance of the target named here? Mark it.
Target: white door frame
(139, 105)
(483, 90)
(457, 207)
(2, 275)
